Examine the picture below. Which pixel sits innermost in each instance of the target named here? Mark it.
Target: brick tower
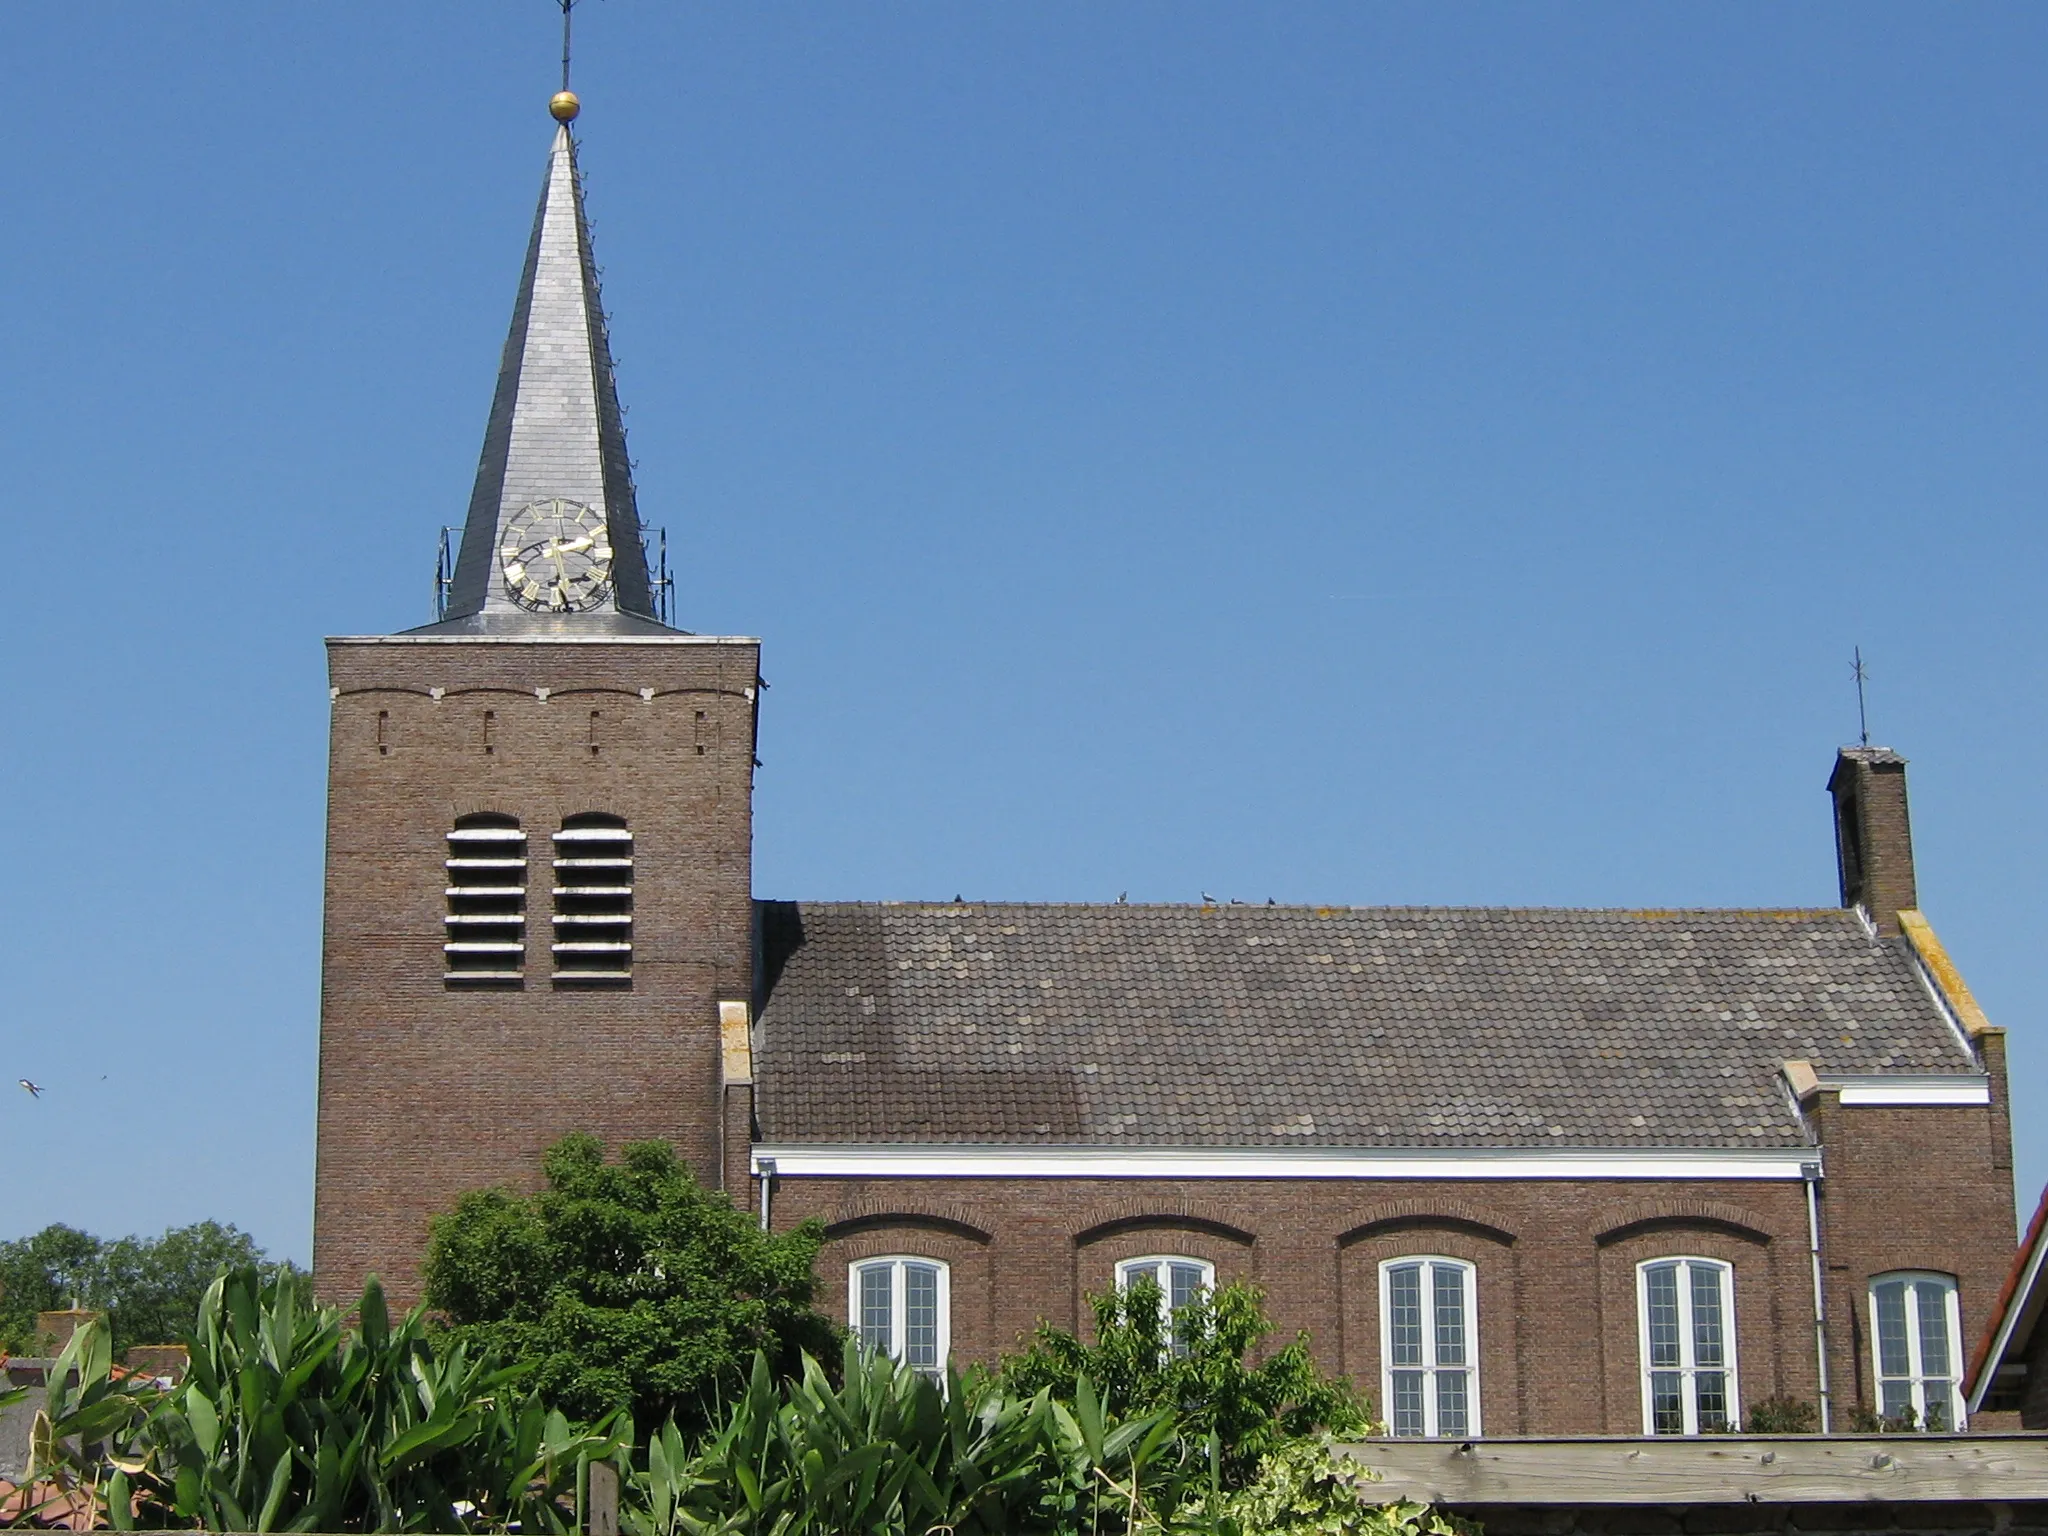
(539, 822)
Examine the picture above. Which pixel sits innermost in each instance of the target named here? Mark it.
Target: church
(1518, 1171)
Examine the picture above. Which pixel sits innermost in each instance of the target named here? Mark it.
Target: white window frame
(898, 1267)
(1689, 1367)
(1430, 1364)
(1205, 1286)
(1952, 1318)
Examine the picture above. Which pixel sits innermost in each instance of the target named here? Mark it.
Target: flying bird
(34, 1090)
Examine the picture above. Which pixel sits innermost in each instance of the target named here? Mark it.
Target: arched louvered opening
(485, 942)
(593, 901)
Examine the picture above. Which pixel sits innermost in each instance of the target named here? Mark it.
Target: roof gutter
(911, 1160)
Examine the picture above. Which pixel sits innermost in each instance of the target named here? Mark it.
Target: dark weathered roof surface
(1320, 1026)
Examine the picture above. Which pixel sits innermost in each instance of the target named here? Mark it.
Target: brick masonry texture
(1587, 1021)
(1874, 834)
(1908, 1188)
(425, 1091)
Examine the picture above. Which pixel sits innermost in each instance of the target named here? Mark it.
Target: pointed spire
(552, 540)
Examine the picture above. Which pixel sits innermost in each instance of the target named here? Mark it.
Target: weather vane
(1862, 716)
(565, 106)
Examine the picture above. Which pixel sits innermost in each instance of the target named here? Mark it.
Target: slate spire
(555, 446)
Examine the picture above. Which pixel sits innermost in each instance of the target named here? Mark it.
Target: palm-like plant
(290, 1421)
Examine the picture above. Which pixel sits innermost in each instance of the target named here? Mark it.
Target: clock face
(557, 556)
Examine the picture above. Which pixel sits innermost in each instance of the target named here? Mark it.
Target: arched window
(1916, 1337)
(485, 929)
(1429, 1346)
(593, 943)
(1180, 1281)
(901, 1306)
(1686, 1330)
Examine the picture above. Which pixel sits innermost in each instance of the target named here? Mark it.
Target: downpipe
(1810, 1174)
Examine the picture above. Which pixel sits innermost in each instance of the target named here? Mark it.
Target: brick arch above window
(1613, 1225)
(861, 1216)
(1138, 1215)
(1407, 1214)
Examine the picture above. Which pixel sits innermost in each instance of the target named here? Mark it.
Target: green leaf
(273, 1501)
(205, 1422)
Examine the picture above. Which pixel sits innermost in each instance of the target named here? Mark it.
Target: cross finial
(564, 107)
(1862, 715)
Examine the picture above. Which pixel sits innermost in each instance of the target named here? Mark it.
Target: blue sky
(1335, 452)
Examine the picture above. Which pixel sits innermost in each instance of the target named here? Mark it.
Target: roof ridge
(902, 903)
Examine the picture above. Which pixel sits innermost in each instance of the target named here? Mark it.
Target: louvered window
(593, 943)
(485, 939)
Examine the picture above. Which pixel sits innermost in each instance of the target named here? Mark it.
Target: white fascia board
(543, 639)
(923, 1161)
(1890, 1088)
(2015, 1306)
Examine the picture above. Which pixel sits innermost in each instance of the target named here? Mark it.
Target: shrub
(626, 1285)
(1783, 1415)
(1198, 1369)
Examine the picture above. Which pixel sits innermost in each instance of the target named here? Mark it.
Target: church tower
(538, 822)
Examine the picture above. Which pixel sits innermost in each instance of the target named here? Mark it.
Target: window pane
(1404, 1317)
(1187, 1284)
(1897, 1398)
(1133, 1273)
(1661, 1283)
(1406, 1418)
(1939, 1404)
(1933, 1298)
(1706, 1315)
(1449, 1283)
(921, 1316)
(875, 1288)
(1892, 1359)
(1452, 1412)
(1667, 1412)
(1711, 1388)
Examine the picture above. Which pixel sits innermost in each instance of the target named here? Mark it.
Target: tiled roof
(1356, 1027)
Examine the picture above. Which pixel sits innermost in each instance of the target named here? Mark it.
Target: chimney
(1873, 837)
(56, 1328)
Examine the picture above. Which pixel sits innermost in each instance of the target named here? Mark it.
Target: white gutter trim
(2006, 1324)
(1944, 1088)
(2001, 1342)
(543, 639)
(921, 1161)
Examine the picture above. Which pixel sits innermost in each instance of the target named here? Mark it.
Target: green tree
(54, 1268)
(149, 1287)
(626, 1285)
(153, 1286)
(1198, 1367)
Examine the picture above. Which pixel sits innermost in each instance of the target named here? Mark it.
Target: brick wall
(1906, 1188)
(428, 1091)
(1874, 834)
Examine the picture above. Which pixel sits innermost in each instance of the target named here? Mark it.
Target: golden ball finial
(564, 107)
